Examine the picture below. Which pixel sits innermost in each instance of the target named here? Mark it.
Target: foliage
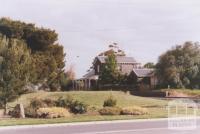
(67, 79)
(64, 102)
(113, 48)
(134, 110)
(149, 65)
(30, 112)
(78, 107)
(47, 55)
(180, 66)
(36, 38)
(53, 112)
(109, 72)
(75, 106)
(35, 104)
(39, 103)
(15, 68)
(110, 102)
(110, 111)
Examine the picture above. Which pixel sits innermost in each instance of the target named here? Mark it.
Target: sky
(144, 29)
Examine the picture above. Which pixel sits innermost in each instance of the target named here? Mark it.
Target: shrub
(78, 107)
(30, 112)
(110, 102)
(64, 102)
(75, 106)
(110, 111)
(37, 103)
(53, 112)
(135, 110)
(50, 102)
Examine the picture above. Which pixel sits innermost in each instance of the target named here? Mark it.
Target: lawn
(94, 98)
(156, 107)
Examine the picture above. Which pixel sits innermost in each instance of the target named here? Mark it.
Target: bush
(50, 102)
(64, 102)
(30, 112)
(110, 102)
(134, 111)
(110, 111)
(53, 112)
(37, 103)
(78, 107)
(75, 107)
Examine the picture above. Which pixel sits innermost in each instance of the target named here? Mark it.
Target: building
(125, 64)
(142, 78)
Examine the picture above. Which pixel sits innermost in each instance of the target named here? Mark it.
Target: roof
(90, 75)
(144, 72)
(120, 59)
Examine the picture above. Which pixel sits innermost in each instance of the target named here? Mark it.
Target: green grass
(94, 98)
(156, 108)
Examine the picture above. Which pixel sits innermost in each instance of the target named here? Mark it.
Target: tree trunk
(5, 108)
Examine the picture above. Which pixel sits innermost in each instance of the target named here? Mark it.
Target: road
(124, 127)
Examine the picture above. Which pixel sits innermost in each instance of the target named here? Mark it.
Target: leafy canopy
(180, 66)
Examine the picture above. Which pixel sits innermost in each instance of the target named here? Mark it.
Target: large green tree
(180, 66)
(15, 69)
(48, 55)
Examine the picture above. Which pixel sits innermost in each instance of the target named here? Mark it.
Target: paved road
(129, 127)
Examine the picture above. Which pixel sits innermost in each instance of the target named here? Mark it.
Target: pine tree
(15, 63)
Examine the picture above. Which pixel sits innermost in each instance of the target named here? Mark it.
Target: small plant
(50, 102)
(64, 102)
(134, 110)
(30, 112)
(75, 106)
(37, 103)
(110, 111)
(53, 112)
(78, 107)
(110, 102)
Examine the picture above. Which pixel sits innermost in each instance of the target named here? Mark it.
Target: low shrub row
(62, 107)
(47, 108)
(135, 110)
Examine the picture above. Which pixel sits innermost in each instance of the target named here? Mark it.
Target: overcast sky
(143, 28)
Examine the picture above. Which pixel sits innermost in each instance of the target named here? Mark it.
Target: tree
(180, 66)
(67, 79)
(109, 73)
(15, 67)
(48, 55)
(113, 49)
(149, 65)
